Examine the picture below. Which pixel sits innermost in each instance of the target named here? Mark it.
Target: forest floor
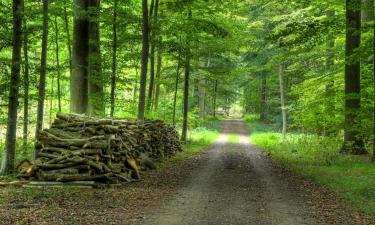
(230, 183)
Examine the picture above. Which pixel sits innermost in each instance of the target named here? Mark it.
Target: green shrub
(250, 118)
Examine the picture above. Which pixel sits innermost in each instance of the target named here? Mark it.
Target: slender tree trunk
(214, 99)
(51, 100)
(58, 65)
(202, 96)
(78, 80)
(282, 98)
(7, 165)
(114, 59)
(330, 90)
(43, 67)
(186, 89)
(263, 100)
(352, 140)
(95, 79)
(145, 49)
(68, 41)
(373, 80)
(158, 73)
(26, 91)
(176, 86)
(153, 21)
(367, 12)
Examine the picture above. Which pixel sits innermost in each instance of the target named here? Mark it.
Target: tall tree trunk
(373, 80)
(176, 86)
(51, 100)
(158, 73)
(95, 79)
(202, 92)
(186, 88)
(352, 140)
(367, 12)
(114, 59)
(330, 90)
(282, 98)
(214, 99)
(78, 80)
(58, 65)
(145, 49)
(153, 21)
(68, 41)
(7, 165)
(43, 67)
(263, 100)
(26, 91)
(202, 96)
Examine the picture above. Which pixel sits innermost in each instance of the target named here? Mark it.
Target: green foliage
(250, 118)
(318, 158)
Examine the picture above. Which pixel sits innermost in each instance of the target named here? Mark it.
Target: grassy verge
(199, 139)
(233, 138)
(318, 159)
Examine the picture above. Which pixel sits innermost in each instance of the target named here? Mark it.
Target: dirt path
(237, 185)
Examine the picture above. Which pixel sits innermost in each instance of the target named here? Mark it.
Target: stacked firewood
(81, 148)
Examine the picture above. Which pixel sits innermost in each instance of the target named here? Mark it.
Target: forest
(294, 78)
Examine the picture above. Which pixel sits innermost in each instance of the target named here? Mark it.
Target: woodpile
(81, 148)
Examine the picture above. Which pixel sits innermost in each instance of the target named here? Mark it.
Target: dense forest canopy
(305, 66)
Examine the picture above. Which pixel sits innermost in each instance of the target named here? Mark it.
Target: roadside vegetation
(318, 158)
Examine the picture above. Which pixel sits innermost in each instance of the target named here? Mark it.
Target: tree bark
(43, 67)
(373, 80)
(352, 140)
(153, 19)
(186, 88)
(58, 65)
(78, 80)
(158, 73)
(176, 86)
(7, 165)
(330, 91)
(145, 49)
(114, 59)
(282, 99)
(68, 41)
(263, 100)
(214, 99)
(26, 91)
(95, 79)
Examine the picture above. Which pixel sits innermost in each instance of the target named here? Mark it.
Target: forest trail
(236, 185)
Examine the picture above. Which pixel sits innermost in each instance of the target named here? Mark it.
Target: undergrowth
(198, 140)
(318, 159)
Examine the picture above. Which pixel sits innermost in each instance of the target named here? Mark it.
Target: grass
(318, 159)
(233, 138)
(199, 139)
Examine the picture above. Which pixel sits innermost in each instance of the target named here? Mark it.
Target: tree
(25, 88)
(7, 165)
(282, 98)
(186, 87)
(145, 49)
(153, 20)
(43, 71)
(352, 140)
(78, 80)
(58, 65)
(114, 59)
(95, 80)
